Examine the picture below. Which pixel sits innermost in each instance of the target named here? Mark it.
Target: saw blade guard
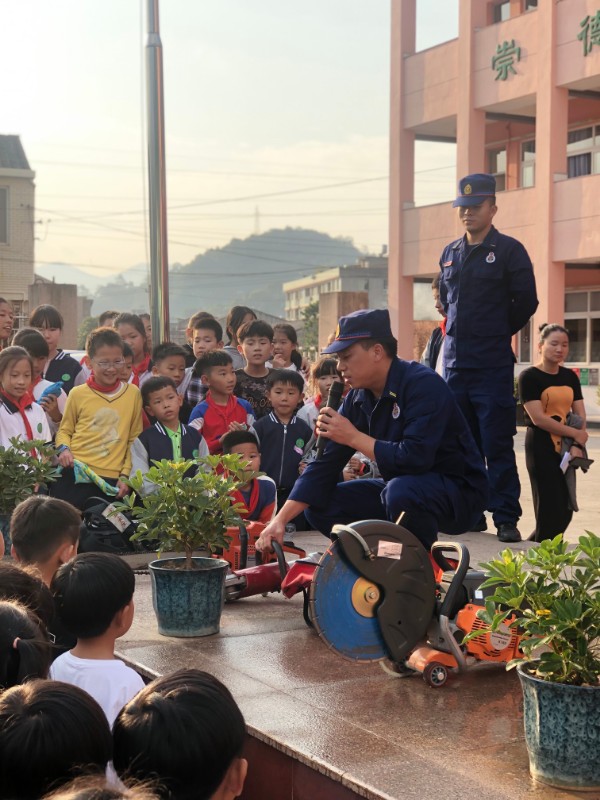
(373, 595)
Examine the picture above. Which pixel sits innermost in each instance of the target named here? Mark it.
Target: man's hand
(334, 426)
(274, 530)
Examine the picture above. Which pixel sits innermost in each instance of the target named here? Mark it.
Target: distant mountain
(87, 282)
(246, 271)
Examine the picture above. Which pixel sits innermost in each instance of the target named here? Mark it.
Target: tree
(310, 315)
(86, 327)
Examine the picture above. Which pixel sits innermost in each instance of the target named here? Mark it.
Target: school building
(519, 93)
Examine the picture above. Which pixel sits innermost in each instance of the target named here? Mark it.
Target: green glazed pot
(188, 602)
(562, 732)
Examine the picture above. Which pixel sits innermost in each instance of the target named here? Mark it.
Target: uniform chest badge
(396, 411)
(490, 258)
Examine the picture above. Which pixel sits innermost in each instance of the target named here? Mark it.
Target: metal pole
(159, 262)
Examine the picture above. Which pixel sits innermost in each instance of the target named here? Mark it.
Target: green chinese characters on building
(590, 32)
(503, 62)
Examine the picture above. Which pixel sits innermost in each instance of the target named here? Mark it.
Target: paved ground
(381, 736)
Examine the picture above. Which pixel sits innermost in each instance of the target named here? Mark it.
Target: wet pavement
(378, 735)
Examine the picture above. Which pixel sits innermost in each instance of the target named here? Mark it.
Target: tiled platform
(312, 715)
(323, 727)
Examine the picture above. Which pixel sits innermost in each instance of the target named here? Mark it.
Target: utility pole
(155, 114)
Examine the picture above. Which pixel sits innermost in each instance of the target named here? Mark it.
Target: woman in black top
(548, 393)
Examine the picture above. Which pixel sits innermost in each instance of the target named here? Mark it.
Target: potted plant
(24, 466)
(553, 593)
(185, 513)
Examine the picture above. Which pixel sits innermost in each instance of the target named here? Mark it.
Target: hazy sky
(263, 98)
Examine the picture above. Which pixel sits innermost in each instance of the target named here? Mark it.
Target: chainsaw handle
(278, 551)
(464, 560)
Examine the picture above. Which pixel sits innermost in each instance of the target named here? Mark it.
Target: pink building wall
(451, 90)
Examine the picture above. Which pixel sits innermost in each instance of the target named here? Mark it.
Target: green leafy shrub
(21, 471)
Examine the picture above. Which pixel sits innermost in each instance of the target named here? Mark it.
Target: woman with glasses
(101, 420)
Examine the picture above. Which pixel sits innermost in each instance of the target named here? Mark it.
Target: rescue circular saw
(373, 592)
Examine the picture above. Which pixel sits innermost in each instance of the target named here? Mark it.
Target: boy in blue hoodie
(283, 436)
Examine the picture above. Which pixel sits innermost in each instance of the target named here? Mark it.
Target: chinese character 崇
(506, 55)
(590, 32)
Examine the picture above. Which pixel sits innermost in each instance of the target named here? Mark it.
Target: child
(132, 331)
(238, 316)
(25, 649)
(37, 347)
(185, 730)
(7, 318)
(126, 372)
(24, 585)
(285, 344)
(45, 535)
(259, 495)
(148, 328)
(107, 319)
(60, 366)
(190, 358)
(207, 335)
(20, 415)
(49, 733)
(168, 360)
(93, 594)
(324, 373)
(168, 437)
(255, 342)
(101, 421)
(221, 411)
(90, 788)
(283, 437)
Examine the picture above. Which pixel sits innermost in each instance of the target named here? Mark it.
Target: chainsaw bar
(344, 622)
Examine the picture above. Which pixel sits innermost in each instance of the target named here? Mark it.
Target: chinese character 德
(506, 55)
(590, 32)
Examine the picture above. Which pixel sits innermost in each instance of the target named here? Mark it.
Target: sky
(276, 115)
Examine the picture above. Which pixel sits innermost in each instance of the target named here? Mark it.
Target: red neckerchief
(35, 383)
(443, 326)
(238, 497)
(91, 382)
(21, 405)
(140, 369)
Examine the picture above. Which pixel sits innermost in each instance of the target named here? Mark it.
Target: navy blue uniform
(429, 463)
(488, 293)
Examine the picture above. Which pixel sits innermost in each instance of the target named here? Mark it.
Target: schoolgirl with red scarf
(20, 415)
(132, 331)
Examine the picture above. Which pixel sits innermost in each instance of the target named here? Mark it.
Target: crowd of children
(67, 706)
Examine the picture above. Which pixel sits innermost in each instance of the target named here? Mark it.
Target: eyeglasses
(109, 364)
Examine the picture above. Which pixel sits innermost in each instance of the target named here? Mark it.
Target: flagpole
(155, 113)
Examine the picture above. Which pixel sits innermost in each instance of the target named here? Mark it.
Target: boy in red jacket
(221, 411)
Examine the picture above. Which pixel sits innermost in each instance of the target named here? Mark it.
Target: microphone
(333, 401)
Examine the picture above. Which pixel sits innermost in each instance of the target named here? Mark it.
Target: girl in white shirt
(20, 415)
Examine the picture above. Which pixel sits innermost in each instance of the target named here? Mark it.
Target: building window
(582, 320)
(501, 11)
(3, 215)
(497, 167)
(529, 4)
(524, 342)
(528, 164)
(583, 151)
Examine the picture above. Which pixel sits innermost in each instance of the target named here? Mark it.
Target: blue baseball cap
(473, 189)
(367, 323)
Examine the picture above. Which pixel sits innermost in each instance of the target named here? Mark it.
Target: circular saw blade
(350, 633)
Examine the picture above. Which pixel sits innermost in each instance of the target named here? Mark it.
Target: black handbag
(100, 534)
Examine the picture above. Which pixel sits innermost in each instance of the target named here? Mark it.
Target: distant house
(17, 205)
(369, 275)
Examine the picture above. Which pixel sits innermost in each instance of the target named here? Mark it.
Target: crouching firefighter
(403, 416)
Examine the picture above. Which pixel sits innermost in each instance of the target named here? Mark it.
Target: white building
(369, 275)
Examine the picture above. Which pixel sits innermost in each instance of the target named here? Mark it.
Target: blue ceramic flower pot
(562, 731)
(188, 602)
